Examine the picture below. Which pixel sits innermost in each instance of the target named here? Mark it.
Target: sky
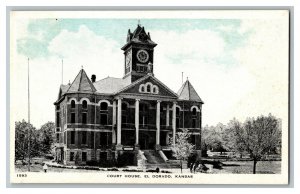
(238, 66)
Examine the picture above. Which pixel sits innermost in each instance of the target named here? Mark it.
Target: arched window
(84, 104)
(142, 89)
(103, 113)
(148, 88)
(155, 89)
(73, 104)
(194, 112)
(177, 117)
(103, 106)
(177, 111)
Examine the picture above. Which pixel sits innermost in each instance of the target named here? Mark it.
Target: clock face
(142, 56)
(128, 59)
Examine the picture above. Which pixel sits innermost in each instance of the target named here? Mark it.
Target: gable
(149, 86)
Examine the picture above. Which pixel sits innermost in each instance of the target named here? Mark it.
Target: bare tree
(182, 148)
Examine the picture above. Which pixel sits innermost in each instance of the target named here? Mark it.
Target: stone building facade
(101, 120)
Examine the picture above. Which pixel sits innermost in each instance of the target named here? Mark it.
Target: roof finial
(139, 22)
(81, 66)
(187, 78)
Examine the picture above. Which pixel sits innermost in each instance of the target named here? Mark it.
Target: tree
(46, 137)
(233, 137)
(212, 138)
(182, 148)
(23, 132)
(262, 135)
(41, 141)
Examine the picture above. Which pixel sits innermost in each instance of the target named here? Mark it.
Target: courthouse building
(99, 120)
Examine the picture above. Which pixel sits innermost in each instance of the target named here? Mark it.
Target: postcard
(149, 97)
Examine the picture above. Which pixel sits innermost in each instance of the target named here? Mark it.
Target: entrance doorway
(147, 140)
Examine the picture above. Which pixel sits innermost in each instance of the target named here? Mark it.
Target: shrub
(132, 170)
(112, 169)
(165, 171)
(92, 163)
(151, 170)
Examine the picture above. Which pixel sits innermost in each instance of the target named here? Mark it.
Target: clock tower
(138, 52)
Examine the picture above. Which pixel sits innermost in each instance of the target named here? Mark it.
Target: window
(154, 90)
(58, 119)
(177, 111)
(143, 108)
(194, 112)
(57, 137)
(143, 120)
(142, 89)
(103, 113)
(84, 104)
(72, 156)
(84, 117)
(57, 107)
(148, 88)
(73, 104)
(177, 122)
(72, 117)
(192, 139)
(84, 156)
(103, 119)
(105, 138)
(103, 106)
(57, 129)
(72, 137)
(141, 68)
(124, 119)
(83, 137)
(193, 123)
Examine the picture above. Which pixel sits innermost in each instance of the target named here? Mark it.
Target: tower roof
(187, 92)
(139, 35)
(81, 83)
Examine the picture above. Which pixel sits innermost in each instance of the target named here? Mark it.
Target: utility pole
(62, 71)
(181, 78)
(28, 132)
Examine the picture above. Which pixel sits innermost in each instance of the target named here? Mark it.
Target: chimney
(93, 78)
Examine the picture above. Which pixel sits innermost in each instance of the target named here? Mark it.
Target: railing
(128, 125)
(91, 126)
(147, 126)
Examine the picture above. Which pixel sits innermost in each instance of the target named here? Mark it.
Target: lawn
(246, 167)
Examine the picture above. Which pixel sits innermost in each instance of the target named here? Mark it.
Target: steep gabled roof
(81, 83)
(187, 92)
